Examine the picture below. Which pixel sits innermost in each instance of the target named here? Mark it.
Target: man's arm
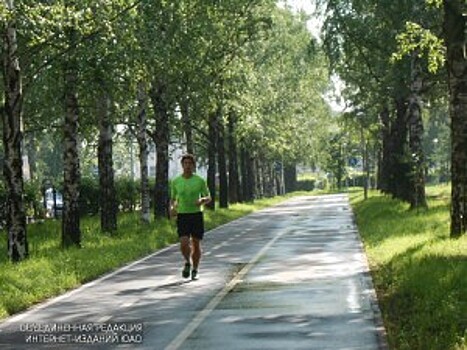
(173, 202)
(173, 208)
(204, 200)
(206, 196)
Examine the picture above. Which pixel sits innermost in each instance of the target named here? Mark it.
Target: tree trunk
(374, 159)
(234, 181)
(252, 170)
(31, 150)
(12, 135)
(141, 136)
(290, 177)
(187, 129)
(107, 195)
(399, 166)
(279, 178)
(248, 175)
(222, 163)
(364, 148)
(273, 187)
(71, 233)
(261, 178)
(269, 179)
(244, 173)
(385, 153)
(212, 146)
(366, 168)
(32, 154)
(340, 173)
(455, 37)
(161, 139)
(415, 126)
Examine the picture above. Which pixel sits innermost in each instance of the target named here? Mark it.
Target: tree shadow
(422, 298)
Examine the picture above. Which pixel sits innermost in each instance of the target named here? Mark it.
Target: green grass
(420, 274)
(51, 271)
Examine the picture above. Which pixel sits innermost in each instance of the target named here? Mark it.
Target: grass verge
(420, 274)
(51, 271)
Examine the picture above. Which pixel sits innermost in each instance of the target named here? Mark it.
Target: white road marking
(201, 316)
(104, 319)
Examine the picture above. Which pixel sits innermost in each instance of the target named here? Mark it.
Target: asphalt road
(292, 276)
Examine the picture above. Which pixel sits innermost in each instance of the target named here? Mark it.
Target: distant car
(49, 203)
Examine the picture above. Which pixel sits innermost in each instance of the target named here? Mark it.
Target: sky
(308, 6)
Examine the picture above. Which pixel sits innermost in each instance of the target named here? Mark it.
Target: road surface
(293, 276)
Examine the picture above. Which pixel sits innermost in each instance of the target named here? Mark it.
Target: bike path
(293, 276)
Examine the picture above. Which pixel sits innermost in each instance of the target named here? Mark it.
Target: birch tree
(453, 52)
(455, 32)
(71, 231)
(12, 135)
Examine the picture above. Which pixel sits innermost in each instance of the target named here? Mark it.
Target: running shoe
(186, 270)
(194, 274)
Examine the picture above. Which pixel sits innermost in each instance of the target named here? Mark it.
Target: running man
(189, 192)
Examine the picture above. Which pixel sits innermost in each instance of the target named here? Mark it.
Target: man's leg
(198, 226)
(186, 252)
(196, 242)
(185, 247)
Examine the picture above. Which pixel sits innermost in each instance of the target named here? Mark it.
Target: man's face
(188, 165)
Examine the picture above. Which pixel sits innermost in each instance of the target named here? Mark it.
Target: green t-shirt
(187, 191)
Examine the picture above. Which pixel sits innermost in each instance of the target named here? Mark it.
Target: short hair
(188, 156)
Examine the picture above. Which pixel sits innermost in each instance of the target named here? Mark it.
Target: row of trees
(237, 82)
(403, 62)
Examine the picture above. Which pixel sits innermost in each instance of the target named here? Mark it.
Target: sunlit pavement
(289, 277)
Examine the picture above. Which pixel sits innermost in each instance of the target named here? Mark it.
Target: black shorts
(190, 225)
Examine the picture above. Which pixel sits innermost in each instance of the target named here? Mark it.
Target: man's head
(188, 157)
(188, 163)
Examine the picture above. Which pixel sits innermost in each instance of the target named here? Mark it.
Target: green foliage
(436, 3)
(415, 38)
(128, 193)
(33, 199)
(281, 108)
(305, 185)
(199, 49)
(418, 271)
(89, 196)
(437, 144)
(128, 196)
(336, 162)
